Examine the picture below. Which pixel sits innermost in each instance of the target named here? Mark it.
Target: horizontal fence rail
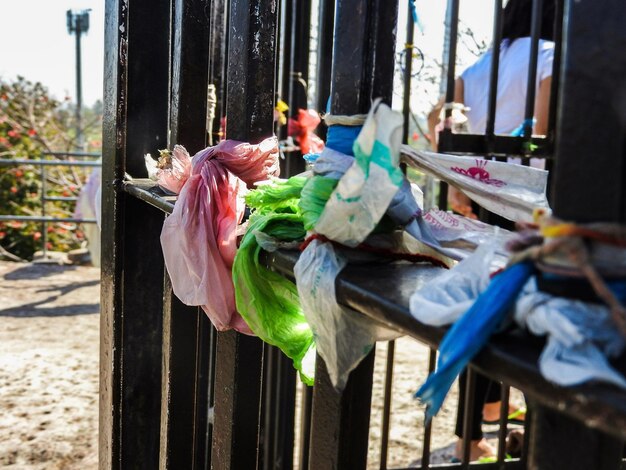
(43, 164)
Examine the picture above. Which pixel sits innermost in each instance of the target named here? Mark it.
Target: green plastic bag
(266, 300)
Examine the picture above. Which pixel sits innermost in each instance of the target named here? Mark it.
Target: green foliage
(32, 123)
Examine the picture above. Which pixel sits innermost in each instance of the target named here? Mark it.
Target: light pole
(78, 23)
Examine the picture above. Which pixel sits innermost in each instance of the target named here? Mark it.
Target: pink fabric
(199, 238)
(175, 177)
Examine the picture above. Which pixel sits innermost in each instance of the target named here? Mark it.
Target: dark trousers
(486, 391)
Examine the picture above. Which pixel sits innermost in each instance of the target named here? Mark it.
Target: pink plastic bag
(199, 238)
(172, 169)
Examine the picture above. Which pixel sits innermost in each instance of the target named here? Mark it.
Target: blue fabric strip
(341, 138)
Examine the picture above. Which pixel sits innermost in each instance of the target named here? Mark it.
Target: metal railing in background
(43, 164)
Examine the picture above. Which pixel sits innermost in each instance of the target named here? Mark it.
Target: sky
(37, 46)
(36, 43)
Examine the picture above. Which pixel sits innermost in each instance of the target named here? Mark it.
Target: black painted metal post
(135, 122)
(185, 343)
(324, 57)
(340, 421)
(589, 185)
(249, 107)
(218, 45)
(408, 71)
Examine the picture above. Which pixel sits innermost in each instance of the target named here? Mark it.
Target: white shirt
(512, 80)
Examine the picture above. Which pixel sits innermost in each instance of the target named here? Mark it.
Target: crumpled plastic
(172, 169)
(199, 237)
(443, 300)
(302, 129)
(343, 337)
(265, 299)
(456, 236)
(581, 337)
(365, 191)
(509, 190)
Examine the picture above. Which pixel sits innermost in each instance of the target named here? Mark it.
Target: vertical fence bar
(135, 122)
(324, 58)
(386, 422)
(446, 134)
(249, 107)
(305, 427)
(218, 39)
(556, 67)
(408, 70)
(44, 225)
(428, 428)
(340, 421)
(585, 192)
(185, 344)
(531, 88)
(468, 415)
(453, 6)
(493, 77)
(503, 422)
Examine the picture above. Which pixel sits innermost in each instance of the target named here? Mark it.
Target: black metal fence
(177, 394)
(85, 160)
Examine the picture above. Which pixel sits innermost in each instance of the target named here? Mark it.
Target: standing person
(472, 90)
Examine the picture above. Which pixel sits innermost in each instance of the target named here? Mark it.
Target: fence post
(249, 110)
(589, 177)
(186, 330)
(135, 122)
(340, 421)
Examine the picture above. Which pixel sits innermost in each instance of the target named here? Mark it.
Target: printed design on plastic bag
(479, 173)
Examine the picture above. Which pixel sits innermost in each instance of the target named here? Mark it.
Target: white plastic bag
(343, 337)
(509, 190)
(443, 300)
(364, 192)
(581, 336)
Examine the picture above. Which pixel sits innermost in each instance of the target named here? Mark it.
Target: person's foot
(491, 413)
(478, 449)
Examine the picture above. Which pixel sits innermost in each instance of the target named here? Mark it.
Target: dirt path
(48, 366)
(49, 327)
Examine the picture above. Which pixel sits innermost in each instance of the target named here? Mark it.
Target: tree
(32, 123)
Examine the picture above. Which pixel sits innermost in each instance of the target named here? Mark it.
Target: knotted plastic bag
(199, 237)
(509, 190)
(266, 300)
(172, 169)
(343, 337)
(364, 192)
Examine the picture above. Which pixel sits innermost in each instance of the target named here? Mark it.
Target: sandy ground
(49, 327)
(49, 376)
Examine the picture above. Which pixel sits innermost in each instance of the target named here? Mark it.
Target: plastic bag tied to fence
(199, 237)
(343, 337)
(509, 190)
(345, 201)
(365, 191)
(581, 335)
(172, 170)
(266, 300)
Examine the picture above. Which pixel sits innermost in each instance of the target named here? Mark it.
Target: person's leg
(479, 446)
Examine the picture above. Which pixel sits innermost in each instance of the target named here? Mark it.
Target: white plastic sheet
(444, 299)
(343, 337)
(509, 190)
(581, 337)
